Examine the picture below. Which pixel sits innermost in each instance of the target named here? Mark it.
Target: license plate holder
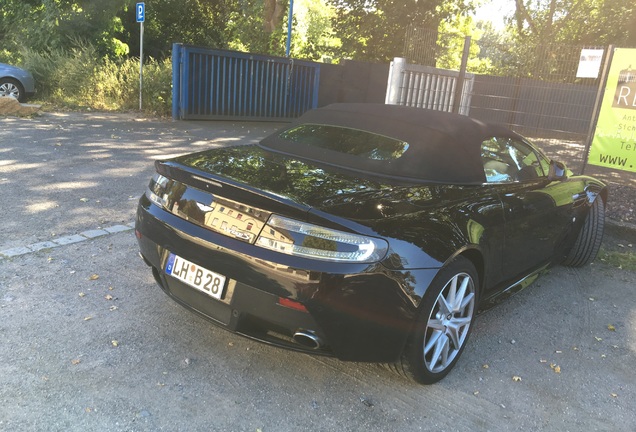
(200, 278)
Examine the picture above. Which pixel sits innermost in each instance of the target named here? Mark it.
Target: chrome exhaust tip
(307, 338)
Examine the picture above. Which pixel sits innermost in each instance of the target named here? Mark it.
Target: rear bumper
(358, 312)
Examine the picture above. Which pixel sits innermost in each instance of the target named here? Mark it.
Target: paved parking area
(89, 343)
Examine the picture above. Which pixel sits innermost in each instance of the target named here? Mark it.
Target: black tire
(13, 88)
(439, 334)
(590, 237)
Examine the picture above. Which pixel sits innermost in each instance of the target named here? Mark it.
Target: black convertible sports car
(365, 232)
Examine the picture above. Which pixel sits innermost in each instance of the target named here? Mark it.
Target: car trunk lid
(234, 191)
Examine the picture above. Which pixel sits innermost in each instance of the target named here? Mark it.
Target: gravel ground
(90, 343)
(622, 204)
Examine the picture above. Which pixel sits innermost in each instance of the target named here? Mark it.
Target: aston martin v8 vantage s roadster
(365, 232)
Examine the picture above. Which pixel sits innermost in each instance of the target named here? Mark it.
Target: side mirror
(558, 171)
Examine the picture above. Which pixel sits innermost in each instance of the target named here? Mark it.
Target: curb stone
(63, 241)
(621, 225)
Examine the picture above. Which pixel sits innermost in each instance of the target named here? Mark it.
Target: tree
(193, 22)
(586, 22)
(313, 36)
(497, 48)
(44, 25)
(12, 14)
(452, 35)
(541, 29)
(256, 26)
(374, 29)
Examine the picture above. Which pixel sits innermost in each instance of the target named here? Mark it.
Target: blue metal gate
(218, 84)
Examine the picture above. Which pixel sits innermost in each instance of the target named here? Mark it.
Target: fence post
(316, 88)
(597, 105)
(459, 88)
(176, 80)
(396, 75)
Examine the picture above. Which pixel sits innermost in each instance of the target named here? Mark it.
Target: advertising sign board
(614, 141)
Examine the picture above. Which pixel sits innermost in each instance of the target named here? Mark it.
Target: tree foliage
(374, 29)
(44, 25)
(450, 42)
(535, 43)
(313, 36)
(47, 25)
(585, 22)
(195, 22)
(257, 26)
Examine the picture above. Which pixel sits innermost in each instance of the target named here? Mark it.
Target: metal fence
(218, 84)
(428, 87)
(534, 90)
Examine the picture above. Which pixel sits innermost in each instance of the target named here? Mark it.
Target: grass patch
(625, 260)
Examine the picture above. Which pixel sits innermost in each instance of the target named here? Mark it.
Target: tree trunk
(272, 15)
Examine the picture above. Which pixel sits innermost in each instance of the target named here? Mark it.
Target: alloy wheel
(449, 322)
(9, 89)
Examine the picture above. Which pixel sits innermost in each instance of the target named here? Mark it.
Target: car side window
(510, 160)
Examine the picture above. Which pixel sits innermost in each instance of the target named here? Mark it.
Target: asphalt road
(90, 343)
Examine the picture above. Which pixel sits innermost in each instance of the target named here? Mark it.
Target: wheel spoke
(453, 334)
(461, 294)
(445, 306)
(441, 348)
(445, 355)
(432, 341)
(460, 322)
(455, 331)
(467, 300)
(452, 294)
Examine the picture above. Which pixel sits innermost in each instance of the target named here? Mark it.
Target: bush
(157, 87)
(63, 77)
(9, 57)
(81, 78)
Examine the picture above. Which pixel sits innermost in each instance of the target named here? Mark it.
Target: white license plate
(196, 276)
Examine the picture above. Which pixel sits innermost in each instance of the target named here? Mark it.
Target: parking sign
(141, 12)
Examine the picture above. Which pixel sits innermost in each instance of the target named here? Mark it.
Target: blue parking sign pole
(140, 12)
(289, 27)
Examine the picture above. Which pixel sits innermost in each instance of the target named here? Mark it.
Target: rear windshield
(346, 140)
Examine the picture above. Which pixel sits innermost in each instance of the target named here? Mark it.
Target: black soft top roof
(443, 147)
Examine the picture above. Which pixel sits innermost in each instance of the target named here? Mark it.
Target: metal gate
(217, 84)
(428, 87)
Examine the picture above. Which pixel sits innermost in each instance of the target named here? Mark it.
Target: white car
(16, 82)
